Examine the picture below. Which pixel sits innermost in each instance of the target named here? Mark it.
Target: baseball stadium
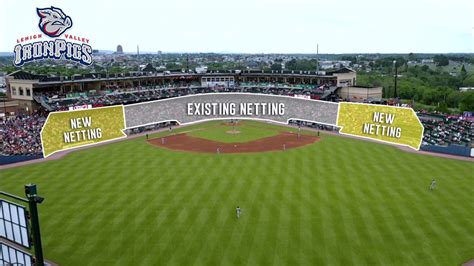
(167, 192)
(268, 153)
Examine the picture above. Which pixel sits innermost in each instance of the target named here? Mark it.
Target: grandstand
(32, 91)
(32, 96)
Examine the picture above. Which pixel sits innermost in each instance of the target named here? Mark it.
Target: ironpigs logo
(53, 22)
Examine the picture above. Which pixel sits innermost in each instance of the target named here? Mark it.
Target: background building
(360, 94)
(119, 49)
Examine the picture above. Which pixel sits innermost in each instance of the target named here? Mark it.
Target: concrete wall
(20, 89)
(346, 79)
(359, 94)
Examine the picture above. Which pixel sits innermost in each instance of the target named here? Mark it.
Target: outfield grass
(339, 201)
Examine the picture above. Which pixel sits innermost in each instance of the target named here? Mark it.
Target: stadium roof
(90, 77)
(340, 71)
(20, 74)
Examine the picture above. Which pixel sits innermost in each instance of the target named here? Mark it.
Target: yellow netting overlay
(70, 129)
(397, 125)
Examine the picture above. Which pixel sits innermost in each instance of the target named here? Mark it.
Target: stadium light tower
(317, 59)
(395, 79)
(33, 200)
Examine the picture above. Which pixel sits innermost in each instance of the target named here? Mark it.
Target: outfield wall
(17, 158)
(451, 149)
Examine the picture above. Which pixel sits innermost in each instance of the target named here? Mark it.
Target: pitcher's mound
(229, 124)
(232, 132)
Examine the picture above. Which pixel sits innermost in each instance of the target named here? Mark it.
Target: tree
(149, 68)
(303, 64)
(425, 68)
(467, 102)
(353, 59)
(275, 66)
(9, 69)
(463, 73)
(423, 85)
(443, 108)
(429, 97)
(454, 98)
(468, 81)
(441, 60)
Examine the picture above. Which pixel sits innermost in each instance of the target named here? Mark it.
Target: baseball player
(433, 184)
(162, 141)
(237, 210)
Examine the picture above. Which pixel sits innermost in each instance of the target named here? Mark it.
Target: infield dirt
(280, 142)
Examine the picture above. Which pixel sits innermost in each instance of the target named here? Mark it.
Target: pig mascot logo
(53, 22)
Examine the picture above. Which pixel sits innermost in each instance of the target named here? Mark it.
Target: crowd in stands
(20, 135)
(313, 125)
(55, 101)
(443, 130)
(148, 128)
(62, 102)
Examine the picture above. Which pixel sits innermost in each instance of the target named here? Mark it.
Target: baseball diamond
(184, 142)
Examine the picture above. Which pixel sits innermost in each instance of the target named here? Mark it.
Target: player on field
(237, 210)
(433, 184)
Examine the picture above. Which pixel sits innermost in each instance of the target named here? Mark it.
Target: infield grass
(247, 131)
(339, 201)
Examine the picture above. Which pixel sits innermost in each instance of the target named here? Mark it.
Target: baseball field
(335, 201)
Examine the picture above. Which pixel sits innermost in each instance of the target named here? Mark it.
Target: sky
(256, 26)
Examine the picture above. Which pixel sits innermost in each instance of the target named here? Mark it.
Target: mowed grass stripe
(338, 201)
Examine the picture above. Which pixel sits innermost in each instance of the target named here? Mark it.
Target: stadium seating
(20, 135)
